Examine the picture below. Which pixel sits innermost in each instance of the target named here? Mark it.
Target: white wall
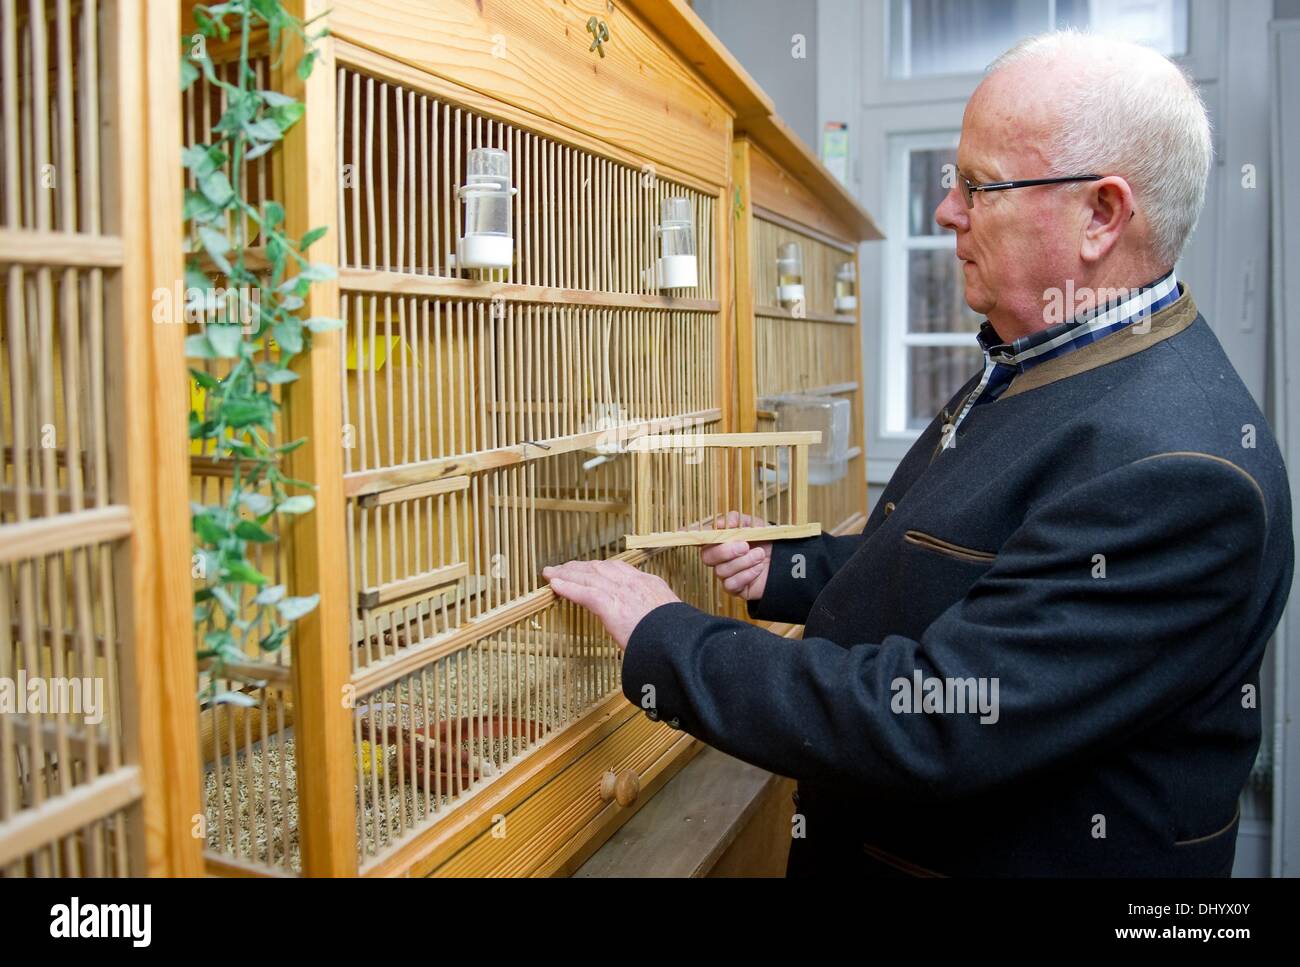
(764, 36)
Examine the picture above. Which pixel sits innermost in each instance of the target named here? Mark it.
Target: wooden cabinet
(96, 659)
(447, 713)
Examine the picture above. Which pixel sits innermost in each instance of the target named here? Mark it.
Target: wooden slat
(791, 155)
(67, 502)
(743, 228)
(415, 586)
(63, 815)
(52, 535)
(398, 283)
(637, 96)
(779, 312)
(693, 441)
(253, 671)
(692, 538)
(574, 505)
(70, 249)
(164, 664)
(215, 864)
(430, 488)
(360, 483)
(314, 410)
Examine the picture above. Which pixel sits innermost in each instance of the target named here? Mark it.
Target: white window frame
(894, 388)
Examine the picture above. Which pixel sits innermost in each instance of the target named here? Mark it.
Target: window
(929, 330)
(929, 38)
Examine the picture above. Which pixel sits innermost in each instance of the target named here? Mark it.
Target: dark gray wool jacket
(1100, 559)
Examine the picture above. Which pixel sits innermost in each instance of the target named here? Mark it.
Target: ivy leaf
(312, 237)
(244, 573)
(272, 213)
(189, 73)
(248, 412)
(270, 595)
(226, 600)
(206, 380)
(202, 160)
(291, 609)
(198, 347)
(305, 65)
(255, 503)
(289, 336)
(216, 188)
(318, 272)
(216, 245)
(197, 208)
(323, 324)
(234, 698)
(274, 639)
(278, 377)
(257, 150)
(276, 99)
(250, 531)
(265, 129)
(219, 640)
(226, 341)
(287, 115)
(301, 504)
(208, 529)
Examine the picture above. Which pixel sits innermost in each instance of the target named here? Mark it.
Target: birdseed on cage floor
(255, 805)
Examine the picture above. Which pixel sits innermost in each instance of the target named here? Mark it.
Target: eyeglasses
(968, 187)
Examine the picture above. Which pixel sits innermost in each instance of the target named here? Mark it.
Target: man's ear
(1110, 208)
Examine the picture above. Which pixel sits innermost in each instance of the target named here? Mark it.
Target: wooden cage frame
(94, 548)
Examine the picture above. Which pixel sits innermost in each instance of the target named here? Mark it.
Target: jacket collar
(1167, 322)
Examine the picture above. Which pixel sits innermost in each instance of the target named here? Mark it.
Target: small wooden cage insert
(689, 485)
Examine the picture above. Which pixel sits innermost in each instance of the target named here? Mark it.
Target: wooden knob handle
(622, 787)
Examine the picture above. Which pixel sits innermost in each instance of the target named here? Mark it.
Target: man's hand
(617, 593)
(740, 566)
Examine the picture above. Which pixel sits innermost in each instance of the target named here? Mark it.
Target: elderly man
(1041, 656)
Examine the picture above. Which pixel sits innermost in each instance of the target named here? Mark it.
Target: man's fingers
(744, 562)
(582, 594)
(581, 576)
(715, 554)
(738, 582)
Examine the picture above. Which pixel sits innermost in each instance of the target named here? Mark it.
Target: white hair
(1135, 114)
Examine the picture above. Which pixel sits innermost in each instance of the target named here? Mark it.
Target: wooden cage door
(100, 777)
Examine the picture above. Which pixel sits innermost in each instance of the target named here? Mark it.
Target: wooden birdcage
(443, 711)
(94, 550)
(812, 347)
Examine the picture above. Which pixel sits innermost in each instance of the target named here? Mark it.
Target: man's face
(1012, 244)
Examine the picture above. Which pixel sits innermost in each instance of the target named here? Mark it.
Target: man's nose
(952, 212)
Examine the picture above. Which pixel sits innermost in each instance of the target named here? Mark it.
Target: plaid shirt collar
(1003, 361)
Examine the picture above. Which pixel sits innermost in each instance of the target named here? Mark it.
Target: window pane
(1161, 24)
(925, 188)
(934, 373)
(929, 37)
(936, 293)
(932, 37)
